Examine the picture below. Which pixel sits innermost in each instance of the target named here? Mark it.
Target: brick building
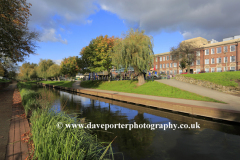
(212, 56)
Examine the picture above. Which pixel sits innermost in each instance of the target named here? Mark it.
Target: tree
(185, 52)
(27, 71)
(98, 54)
(69, 66)
(54, 71)
(43, 67)
(135, 50)
(16, 41)
(1, 70)
(182, 64)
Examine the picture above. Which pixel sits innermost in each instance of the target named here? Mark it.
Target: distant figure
(168, 77)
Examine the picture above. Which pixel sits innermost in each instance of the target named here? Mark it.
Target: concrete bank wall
(220, 114)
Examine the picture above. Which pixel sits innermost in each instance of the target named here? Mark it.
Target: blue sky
(68, 26)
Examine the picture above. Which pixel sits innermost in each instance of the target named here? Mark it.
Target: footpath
(13, 124)
(229, 111)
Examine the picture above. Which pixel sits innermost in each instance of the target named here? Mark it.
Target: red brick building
(212, 56)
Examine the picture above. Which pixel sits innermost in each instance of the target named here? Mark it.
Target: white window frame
(167, 72)
(164, 58)
(206, 51)
(225, 68)
(160, 58)
(167, 66)
(231, 68)
(170, 71)
(156, 59)
(212, 61)
(212, 51)
(219, 49)
(156, 66)
(180, 71)
(170, 65)
(206, 61)
(163, 65)
(167, 58)
(197, 62)
(197, 53)
(175, 71)
(231, 58)
(198, 70)
(170, 57)
(218, 69)
(231, 49)
(207, 70)
(160, 65)
(212, 69)
(218, 60)
(225, 48)
(174, 64)
(225, 59)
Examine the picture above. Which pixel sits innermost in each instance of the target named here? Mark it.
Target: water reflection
(213, 141)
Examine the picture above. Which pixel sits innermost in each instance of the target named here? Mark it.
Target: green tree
(54, 71)
(182, 64)
(99, 54)
(16, 41)
(135, 50)
(69, 66)
(185, 52)
(43, 67)
(1, 70)
(27, 71)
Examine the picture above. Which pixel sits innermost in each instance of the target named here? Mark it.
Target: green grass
(52, 142)
(59, 83)
(149, 88)
(221, 78)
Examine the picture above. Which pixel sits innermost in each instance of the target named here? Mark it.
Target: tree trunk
(188, 69)
(109, 76)
(141, 79)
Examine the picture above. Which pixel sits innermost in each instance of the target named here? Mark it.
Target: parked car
(201, 72)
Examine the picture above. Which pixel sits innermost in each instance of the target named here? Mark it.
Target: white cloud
(50, 35)
(89, 22)
(57, 61)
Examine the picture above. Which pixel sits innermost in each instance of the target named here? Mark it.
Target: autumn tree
(135, 50)
(16, 41)
(43, 67)
(69, 66)
(27, 71)
(1, 70)
(98, 55)
(54, 71)
(186, 51)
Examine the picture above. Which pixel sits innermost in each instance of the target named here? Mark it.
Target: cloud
(50, 35)
(215, 19)
(57, 61)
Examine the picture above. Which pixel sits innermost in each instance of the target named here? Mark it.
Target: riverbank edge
(215, 113)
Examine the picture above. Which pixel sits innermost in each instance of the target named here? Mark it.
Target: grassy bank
(221, 78)
(149, 88)
(59, 83)
(3, 80)
(51, 142)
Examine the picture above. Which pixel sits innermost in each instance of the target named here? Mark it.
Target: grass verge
(221, 78)
(149, 88)
(59, 83)
(50, 142)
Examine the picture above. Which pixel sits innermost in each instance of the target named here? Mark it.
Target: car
(202, 72)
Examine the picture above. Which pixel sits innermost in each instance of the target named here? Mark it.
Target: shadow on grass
(91, 84)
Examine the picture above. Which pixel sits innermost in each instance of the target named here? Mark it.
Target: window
(232, 58)
(225, 68)
(156, 59)
(225, 59)
(160, 65)
(175, 71)
(219, 60)
(160, 58)
(207, 52)
(212, 51)
(206, 61)
(192, 64)
(212, 69)
(232, 48)
(170, 72)
(198, 53)
(175, 64)
(219, 50)
(212, 61)
(171, 65)
(233, 68)
(198, 62)
(225, 49)
(156, 66)
(167, 57)
(180, 71)
(197, 70)
(167, 65)
(207, 70)
(163, 58)
(219, 69)
(167, 72)
(163, 65)
(171, 57)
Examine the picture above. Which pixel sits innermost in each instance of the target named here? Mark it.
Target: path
(233, 101)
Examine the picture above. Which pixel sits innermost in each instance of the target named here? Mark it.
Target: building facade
(211, 56)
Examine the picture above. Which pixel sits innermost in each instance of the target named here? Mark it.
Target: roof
(222, 43)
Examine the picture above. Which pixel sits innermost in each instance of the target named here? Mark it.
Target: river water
(213, 140)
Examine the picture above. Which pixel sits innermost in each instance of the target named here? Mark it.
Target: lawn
(150, 88)
(221, 78)
(59, 83)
